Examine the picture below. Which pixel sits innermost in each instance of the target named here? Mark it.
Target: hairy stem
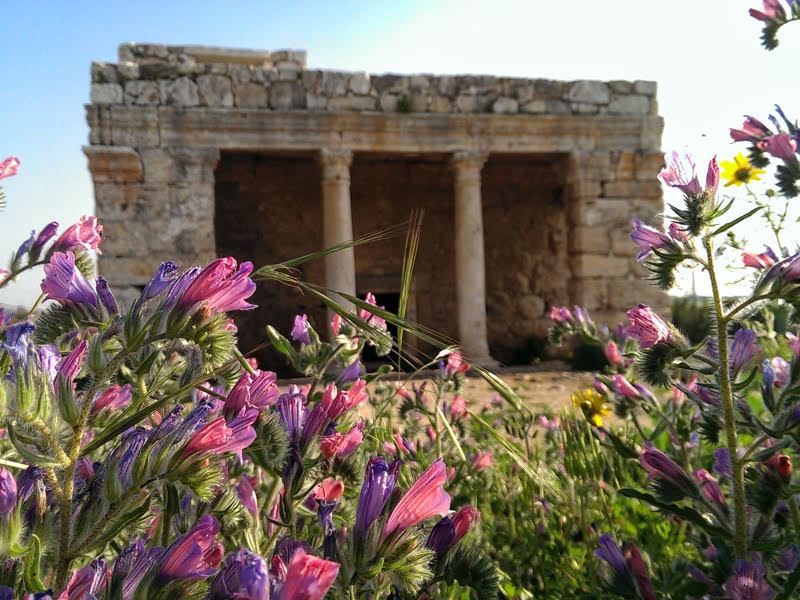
(740, 525)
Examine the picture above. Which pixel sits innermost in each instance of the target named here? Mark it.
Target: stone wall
(567, 164)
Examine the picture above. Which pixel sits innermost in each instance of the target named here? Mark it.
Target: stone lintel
(120, 164)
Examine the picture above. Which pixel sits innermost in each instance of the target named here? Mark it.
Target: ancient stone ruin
(528, 185)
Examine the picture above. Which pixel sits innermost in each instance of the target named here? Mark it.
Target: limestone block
(419, 101)
(128, 70)
(98, 119)
(218, 69)
(388, 102)
(621, 87)
(624, 165)
(505, 105)
(119, 164)
(548, 89)
(180, 92)
(142, 92)
(523, 92)
(591, 293)
(215, 90)
(396, 84)
(187, 65)
(599, 265)
(334, 83)
(315, 102)
(134, 125)
(115, 201)
(156, 164)
(601, 212)
(647, 165)
(584, 108)
(630, 105)
(241, 74)
(621, 242)
(193, 165)
(157, 70)
(131, 270)
(535, 107)
(447, 85)
(104, 73)
(352, 103)
(287, 95)
(589, 239)
(106, 93)
(585, 188)
(297, 57)
(440, 104)
(288, 72)
(595, 92)
(531, 306)
(467, 104)
(250, 95)
(626, 293)
(632, 189)
(133, 238)
(261, 74)
(419, 82)
(359, 83)
(648, 88)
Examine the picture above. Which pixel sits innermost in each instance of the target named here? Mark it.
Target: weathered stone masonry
(529, 185)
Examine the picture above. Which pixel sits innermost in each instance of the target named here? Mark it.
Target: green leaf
(729, 224)
(36, 458)
(114, 529)
(452, 434)
(684, 512)
(30, 575)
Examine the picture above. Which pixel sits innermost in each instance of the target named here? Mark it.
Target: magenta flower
(623, 387)
(342, 445)
(612, 354)
(3, 276)
(760, 261)
(680, 173)
(9, 167)
(752, 130)
(425, 498)
(87, 582)
(748, 581)
(794, 342)
(252, 391)
(217, 437)
(86, 234)
(710, 487)
(220, 287)
(247, 495)
(370, 318)
(560, 315)
(300, 330)
(243, 576)
(44, 236)
(114, 398)
(308, 577)
(462, 521)
(194, 555)
(482, 460)
(65, 283)
(336, 403)
(647, 327)
(773, 11)
(455, 364)
(70, 365)
(780, 145)
(648, 239)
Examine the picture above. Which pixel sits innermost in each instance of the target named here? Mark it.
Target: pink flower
(86, 234)
(217, 437)
(773, 11)
(679, 173)
(424, 499)
(336, 324)
(258, 390)
(759, 261)
(458, 409)
(114, 398)
(647, 327)
(780, 145)
(308, 577)
(623, 387)
(69, 366)
(612, 354)
(9, 167)
(221, 287)
(351, 440)
(482, 460)
(3, 275)
(87, 582)
(247, 495)
(560, 315)
(337, 402)
(462, 521)
(371, 319)
(455, 364)
(752, 130)
(194, 555)
(329, 490)
(794, 342)
(678, 233)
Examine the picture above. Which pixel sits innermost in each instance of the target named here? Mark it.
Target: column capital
(335, 163)
(120, 164)
(467, 165)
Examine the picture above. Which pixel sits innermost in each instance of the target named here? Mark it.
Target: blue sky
(704, 54)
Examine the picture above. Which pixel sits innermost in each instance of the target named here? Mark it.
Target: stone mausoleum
(528, 185)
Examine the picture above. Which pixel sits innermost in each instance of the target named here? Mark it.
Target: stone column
(470, 266)
(340, 267)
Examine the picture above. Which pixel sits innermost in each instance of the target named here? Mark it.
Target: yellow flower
(739, 171)
(593, 405)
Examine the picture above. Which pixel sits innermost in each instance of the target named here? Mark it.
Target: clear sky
(704, 54)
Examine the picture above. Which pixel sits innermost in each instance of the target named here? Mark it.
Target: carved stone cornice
(467, 165)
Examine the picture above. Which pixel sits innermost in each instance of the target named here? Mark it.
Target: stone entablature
(160, 120)
(156, 74)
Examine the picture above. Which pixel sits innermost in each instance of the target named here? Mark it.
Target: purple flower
(300, 330)
(379, 481)
(70, 365)
(560, 315)
(648, 239)
(710, 487)
(258, 390)
(623, 387)
(247, 495)
(722, 463)
(65, 283)
(106, 297)
(8, 493)
(748, 582)
(612, 354)
(194, 555)
(441, 536)
(87, 582)
(776, 372)
(86, 234)
(292, 410)
(610, 552)
(178, 287)
(647, 327)
(752, 130)
(350, 374)
(662, 468)
(794, 342)
(23, 249)
(680, 173)
(49, 357)
(780, 145)
(743, 348)
(6, 593)
(134, 562)
(18, 343)
(44, 236)
(243, 575)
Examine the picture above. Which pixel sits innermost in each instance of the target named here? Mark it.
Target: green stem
(740, 523)
(36, 304)
(745, 304)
